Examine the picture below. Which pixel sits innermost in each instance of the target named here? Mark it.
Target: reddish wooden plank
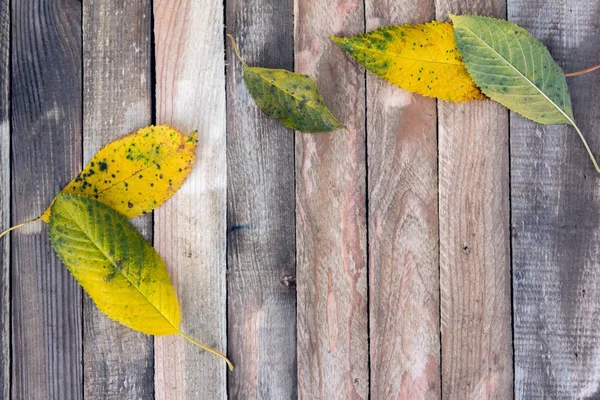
(4, 199)
(556, 218)
(331, 212)
(261, 213)
(403, 227)
(474, 240)
(190, 229)
(46, 154)
(118, 362)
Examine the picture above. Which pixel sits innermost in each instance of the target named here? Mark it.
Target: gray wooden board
(331, 226)
(475, 264)
(117, 362)
(4, 199)
(46, 154)
(261, 212)
(556, 218)
(403, 227)
(190, 229)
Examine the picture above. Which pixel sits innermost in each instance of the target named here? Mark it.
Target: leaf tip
(193, 137)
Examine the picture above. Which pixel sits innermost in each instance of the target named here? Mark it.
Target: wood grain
(331, 212)
(261, 212)
(5, 325)
(118, 362)
(403, 227)
(190, 229)
(556, 218)
(46, 154)
(474, 240)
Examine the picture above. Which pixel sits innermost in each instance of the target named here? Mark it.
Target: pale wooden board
(4, 199)
(118, 362)
(190, 229)
(261, 212)
(46, 154)
(556, 218)
(474, 240)
(403, 227)
(331, 212)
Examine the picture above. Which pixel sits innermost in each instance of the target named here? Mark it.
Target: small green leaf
(292, 98)
(515, 69)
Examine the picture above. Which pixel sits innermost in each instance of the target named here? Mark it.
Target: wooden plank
(4, 198)
(556, 218)
(261, 213)
(331, 212)
(403, 227)
(117, 362)
(474, 240)
(190, 230)
(46, 154)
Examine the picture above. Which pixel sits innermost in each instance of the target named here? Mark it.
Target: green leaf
(292, 98)
(116, 266)
(515, 69)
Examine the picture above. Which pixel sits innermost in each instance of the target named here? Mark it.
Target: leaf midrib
(519, 72)
(458, 63)
(117, 269)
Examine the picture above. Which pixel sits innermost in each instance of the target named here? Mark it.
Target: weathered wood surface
(363, 216)
(261, 212)
(474, 239)
(46, 94)
(556, 218)
(403, 227)
(190, 229)
(117, 53)
(4, 198)
(333, 359)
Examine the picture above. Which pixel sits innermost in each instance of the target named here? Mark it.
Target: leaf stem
(584, 71)
(12, 228)
(236, 50)
(587, 147)
(206, 348)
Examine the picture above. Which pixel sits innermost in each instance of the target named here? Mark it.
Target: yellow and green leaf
(292, 98)
(116, 266)
(418, 58)
(138, 172)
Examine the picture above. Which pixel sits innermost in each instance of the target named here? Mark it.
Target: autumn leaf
(418, 58)
(515, 69)
(292, 98)
(138, 172)
(116, 266)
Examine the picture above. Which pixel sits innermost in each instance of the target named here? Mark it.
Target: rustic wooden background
(432, 250)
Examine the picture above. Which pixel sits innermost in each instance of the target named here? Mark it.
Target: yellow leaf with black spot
(116, 266)
(292, 98)
(418, 58)
(138, 172)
